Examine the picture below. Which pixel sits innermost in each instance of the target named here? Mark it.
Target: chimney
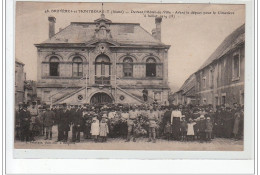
(52, 21)
(158, 22)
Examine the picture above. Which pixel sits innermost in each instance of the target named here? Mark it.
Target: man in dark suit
(145, 94)
(78, 123)
(25, 118)
(58, 122)
(64, 122)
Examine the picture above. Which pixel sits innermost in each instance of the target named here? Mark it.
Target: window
(236, 67)
(54, 66)
(157, 96)
(223, 101)
(216, 100)
(150, 67)
(211, 78)
(77, 67)
(204, 101)
(80, 97)
(204, 82)
(102, 66)
(102, 70)
(128, 67)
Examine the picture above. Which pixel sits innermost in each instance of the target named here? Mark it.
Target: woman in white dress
(95, 129)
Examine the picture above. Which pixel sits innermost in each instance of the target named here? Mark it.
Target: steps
(69, 94)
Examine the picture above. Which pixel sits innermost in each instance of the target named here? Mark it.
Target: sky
(192, 30)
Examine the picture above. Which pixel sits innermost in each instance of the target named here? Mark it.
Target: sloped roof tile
(230, 42)
(122, 33)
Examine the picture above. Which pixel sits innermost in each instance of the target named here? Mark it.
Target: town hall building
(102, 62)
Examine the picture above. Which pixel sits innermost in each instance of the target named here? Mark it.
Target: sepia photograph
(125, 76)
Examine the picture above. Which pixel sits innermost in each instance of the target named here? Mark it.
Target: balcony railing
(102, 80)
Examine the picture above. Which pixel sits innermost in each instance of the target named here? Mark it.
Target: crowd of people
(129, 122)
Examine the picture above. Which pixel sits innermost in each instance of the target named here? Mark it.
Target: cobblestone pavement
(217, 144)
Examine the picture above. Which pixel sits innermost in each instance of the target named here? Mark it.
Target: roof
(121, 33)
(188, 84)
(231, 41)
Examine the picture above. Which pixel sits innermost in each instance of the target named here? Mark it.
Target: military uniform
(34, 114)
(153, 118)
(131, 125)
(48, 121)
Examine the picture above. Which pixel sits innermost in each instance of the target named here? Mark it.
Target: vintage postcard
(125, 76)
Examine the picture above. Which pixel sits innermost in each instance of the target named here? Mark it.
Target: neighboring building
(178, 98)
(186, 94)
(220, 80)
(118, 59)
(20, 77)
(30, 91)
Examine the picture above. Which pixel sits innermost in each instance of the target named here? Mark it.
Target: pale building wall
(225, 87)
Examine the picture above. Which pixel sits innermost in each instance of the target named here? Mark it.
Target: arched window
(102, 66)
(128, 67)
(77, 65)
(102, 70)
(150, 67)
(54, 66)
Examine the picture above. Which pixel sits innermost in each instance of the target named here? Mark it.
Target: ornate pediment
(102, 48)
(103, 19)
(102, 30)
(95, 42)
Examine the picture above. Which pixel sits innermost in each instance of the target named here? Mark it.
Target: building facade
(186, 94)
(220, 80)
(20, 77)
(102, 62)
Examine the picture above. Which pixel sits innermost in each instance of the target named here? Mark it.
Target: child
(183, 128)
(190, 129)
(208, 130)
(168, 130)
(103, 130)
(95, 129)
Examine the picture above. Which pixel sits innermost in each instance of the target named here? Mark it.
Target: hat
(208, 118)
(202, 117)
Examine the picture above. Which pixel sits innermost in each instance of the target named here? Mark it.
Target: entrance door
(100, 98)
(102, 70)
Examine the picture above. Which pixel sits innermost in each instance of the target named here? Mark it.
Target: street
(217, 144)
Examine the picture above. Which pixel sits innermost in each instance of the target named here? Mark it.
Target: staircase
(138, 97)
(67, 95)
(131, 95)
(135, 96)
